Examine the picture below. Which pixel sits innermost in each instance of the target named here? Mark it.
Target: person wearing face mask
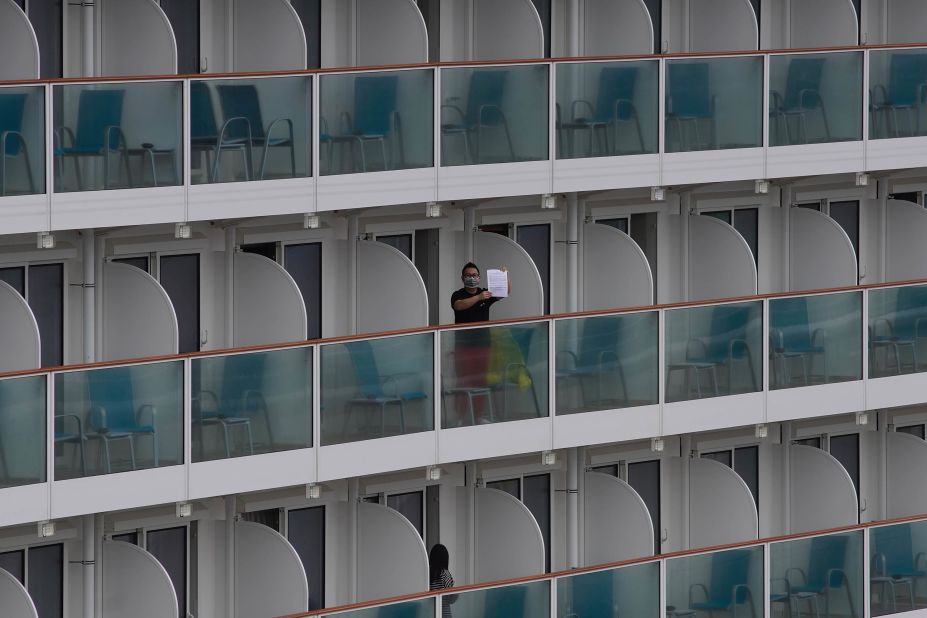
(471, 303)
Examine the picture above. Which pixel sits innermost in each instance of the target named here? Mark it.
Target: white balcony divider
(270, 578)
(132, 297)
(721, 264)
(389, 32)
(137, 39)
(18, 45)
(135, 583)
(390, 292)
(19, 332)
(822, 493)
(257, 321)
(721, 507)
(820, 252)
(608, 500)
(905, 21)
(506, 29)
(391, 556)
(508, 540)
(267, 36)
(722, 25)
(822, 23)
(495, 251)
(907, 469)
(616, 27)
(604, 287)
(14, 599)
(905, 254)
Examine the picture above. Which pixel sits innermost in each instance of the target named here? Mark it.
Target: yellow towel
(505, 352)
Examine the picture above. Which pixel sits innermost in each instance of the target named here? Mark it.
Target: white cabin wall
(336, 33)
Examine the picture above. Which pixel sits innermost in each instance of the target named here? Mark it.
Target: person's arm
(465, 303)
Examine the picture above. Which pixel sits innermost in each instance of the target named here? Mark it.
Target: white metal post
(351, 264)
(572, 510)
(89, 267)
(572, 253)
(230, 556)
(231, 239)
(88, 542)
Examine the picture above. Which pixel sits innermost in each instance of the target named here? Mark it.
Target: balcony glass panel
(249, 129)
(531, 599)
(817, 576)
(815, 340)
(607, 362)
(728, 583)
(118, 136)
(22, 140)
(419, 608)
(897, 331)
(714, 103)
(247, 404)
(607, 108)
(714, 350)
(898, 571)
(377, 388)
(376, 121)
(815, 98)
(897, 93)
(628, 591)
(494, 114)
(22, 431)
(494, 374)
(131, 418)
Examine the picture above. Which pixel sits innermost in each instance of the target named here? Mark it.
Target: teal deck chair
(522, 335)
(728, 589)
(506, 602)
(114, 415)
(241, 101)
(906, 93)
(792, 339)
(613, 108)
(12, 143)
(206, 137)
(691, 103)
(592, 595)
(894, 558)
(901, 335)
(375, 118)
(597, 359)
(483, 112)
(825, 574)
(99, 135)
(802, 97)
(726, 344)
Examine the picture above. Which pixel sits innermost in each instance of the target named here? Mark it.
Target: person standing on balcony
(440, 577)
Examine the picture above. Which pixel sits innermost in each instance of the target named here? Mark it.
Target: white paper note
(497, 282)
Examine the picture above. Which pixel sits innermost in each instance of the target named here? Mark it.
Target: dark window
(535, 239)
(46, 580)
(845, 449)
(21, 4)
(304, 263)
(644, 233)
(310, 14)
(747, 222)
(267, 517)
(621, 223)
(46, 299)
(46, 18)
(655, 8)
(13, 563)
(509, 486)
(723, 215)
(543, 8)
(811, 206)
(16, 277)
(747, 466)
(426, 261)
(847, 215)
(184, 16)
(140, 262)
(814, 442)
(180, 278)
(723, 457)
(502, 229)
(644, 477)
(907, 196)
(169, 546)
(412, 507)
(127, 537)
(432, 515)
(267, 249)
(306, 532)
(402, 242)
(914, 430)
(610, 469)
(537, 499)
(431, 13)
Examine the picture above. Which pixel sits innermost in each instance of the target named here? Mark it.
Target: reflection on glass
(607, 362)
(117, 136)
(815, 98)
(254, 403)
(607, 109)
(249, 129)
(815, 340)
(714, 350)
(494, 374)
(532, 599)
(376, 121)
(708, 584)
(897, 330)
(22, 431)
(898, 572)
(122, 418)
(628, 591)
(714, 103)
(420, 608)
(897, 93)
(817, 576)
(377, 388)
(493, 114)
(22, 140)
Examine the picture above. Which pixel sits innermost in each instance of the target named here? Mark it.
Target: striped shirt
(444, 580)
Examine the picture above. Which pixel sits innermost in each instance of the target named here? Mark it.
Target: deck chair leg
(107, 462)
(383, 153)
(155, 447)
(132, 452)
(402, 418)
(83, 457)
(77, 173)
(250, 438)
(3, 171)
(225, 439)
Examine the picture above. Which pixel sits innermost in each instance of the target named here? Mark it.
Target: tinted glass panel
(401, 242)
(267, 517)
(267, 249)
(847, 215)
(306, 532)
(431, 13)
(644, 233)
(432, 515)
(22, 431)
(723, 457)
(304, 263)
(22, 137)
(813, 442)
(908, 196)
(746, 221)
(46, 299)
(723, 215)
(184, 16)
(46, 19)
(180, 277)
(427, 260)
(619, 224)
(310, 14)
(535, 239)
(16, 277)
(747, 465)
(412, 508)
(914, 430)
(845, 449)
(170, 548)
(644, 477)
(509, 486)
(138, 262)
(629, 591)
(128, 537)
(537, 499)
(832, 563)
(13, 563)
(896, 80)
(46, 580)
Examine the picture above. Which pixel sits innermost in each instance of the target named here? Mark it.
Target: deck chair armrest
(76, 418)
(917, 327)
(60, 134)
(877, 564)
(696, 343)
(567, 354)
(878, 101)
(812, 94)
(747, 593)
(801, 572)
(255, 397)
(738, 348)
(488, 108)
(776, 340)
(920, 558)
(838, 572)
(776, 101)
(151, 411)
(510, 368)
(455, 108)
(273, 125)
(109, 133)
(786, 583)
(231, 122)
(346, 122)
(626, 103)
(819, 337)
(199, 401)
(607, 356)
(884, 322)
(7, 135)
(395, 379)
(583, 103)
(97, 418)
(701, 587)
(395, 122)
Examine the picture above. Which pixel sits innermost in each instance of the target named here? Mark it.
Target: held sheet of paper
(497, 282)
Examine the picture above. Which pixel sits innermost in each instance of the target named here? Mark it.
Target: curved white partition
(821, 254)
(14, 599)
(508, 539)
(270, 579)
(721, 263)
(390, 32)
(617, 524)
(391, 557)
(19, 332)
(257, 321)
(506, 29)
(135, 584)
(268, 36)
(905, 21)
(905, 249)
(390, 292)
(723, 25)
(822, 495)
(617, 27)
(615, 270)
(137, 39)
(132, 297)
(496, 250)
(18, 46)
(907, 469)
(721, 507)
(823, 23)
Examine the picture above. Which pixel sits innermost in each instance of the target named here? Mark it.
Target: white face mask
(471, 282)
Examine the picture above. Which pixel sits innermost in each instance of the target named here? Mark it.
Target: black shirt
(476, 313)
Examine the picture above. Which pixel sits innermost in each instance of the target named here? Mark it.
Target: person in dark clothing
(440, 577)
(471, 303)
